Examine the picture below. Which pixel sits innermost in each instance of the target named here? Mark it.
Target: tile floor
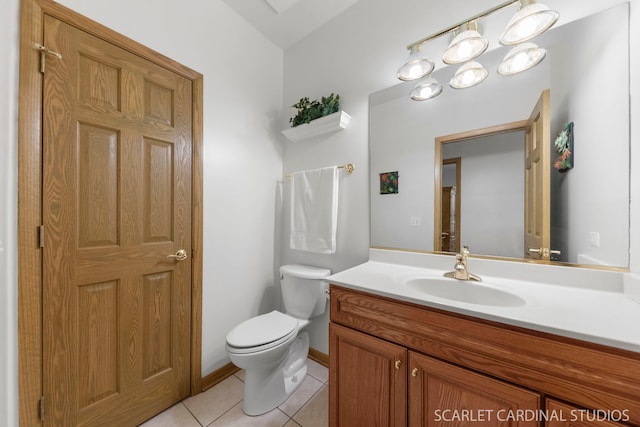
(221, 405)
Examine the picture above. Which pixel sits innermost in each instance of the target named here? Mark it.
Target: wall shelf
(323, 125)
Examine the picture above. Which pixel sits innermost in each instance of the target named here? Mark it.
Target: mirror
(588, 78)
(487, 171)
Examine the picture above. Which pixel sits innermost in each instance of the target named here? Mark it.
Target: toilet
(271, 347)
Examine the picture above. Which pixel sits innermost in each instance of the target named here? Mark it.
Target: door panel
(116, 203)
(537, 221)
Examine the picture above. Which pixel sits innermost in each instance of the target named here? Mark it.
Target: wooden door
(116, 203)
(446, 219)
(368, 380)
(537, 210)
(444, 395)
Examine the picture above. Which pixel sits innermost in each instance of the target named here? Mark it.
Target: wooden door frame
(30, 195)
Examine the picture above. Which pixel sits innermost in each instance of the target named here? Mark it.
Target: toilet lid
(261, 330)
(304, 271)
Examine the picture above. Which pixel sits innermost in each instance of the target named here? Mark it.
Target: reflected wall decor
(564, 149)
(389, 182)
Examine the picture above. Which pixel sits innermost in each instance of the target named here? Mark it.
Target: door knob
(534, 251)
(181, 255)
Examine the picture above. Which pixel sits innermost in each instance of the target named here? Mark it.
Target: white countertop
(598, 314)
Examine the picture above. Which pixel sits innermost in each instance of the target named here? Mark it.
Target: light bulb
(429, 88)
(525, 28)
(521, 58)
(469, 74)
(464, 49)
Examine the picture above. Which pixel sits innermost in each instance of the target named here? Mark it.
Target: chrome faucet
(460, 271)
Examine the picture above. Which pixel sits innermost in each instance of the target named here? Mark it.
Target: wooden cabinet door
(562, 415)
(445, 395)
(368, 380)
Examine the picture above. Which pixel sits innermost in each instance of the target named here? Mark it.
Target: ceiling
(285, 22)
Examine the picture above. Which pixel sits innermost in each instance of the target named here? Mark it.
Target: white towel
(314, 210)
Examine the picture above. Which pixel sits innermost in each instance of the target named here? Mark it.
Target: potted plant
(311, 110)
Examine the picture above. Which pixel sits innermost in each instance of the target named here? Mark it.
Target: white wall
(593, 196)
(8, 214)
(634, 66)
(357, 54)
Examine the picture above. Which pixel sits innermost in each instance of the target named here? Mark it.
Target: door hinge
(41, 408)
(41, 235)
(43, 56)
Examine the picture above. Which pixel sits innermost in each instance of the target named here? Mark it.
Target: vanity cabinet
(394, 363)
(374, 385)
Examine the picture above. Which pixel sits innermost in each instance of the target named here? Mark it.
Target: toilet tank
(304, 290)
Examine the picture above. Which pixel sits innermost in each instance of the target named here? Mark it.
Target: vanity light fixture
(469, 74)
(427, 89)
(521, 58)
(416, 67)
(466, 46)
(531, 20)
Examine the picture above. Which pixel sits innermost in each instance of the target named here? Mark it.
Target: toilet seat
(261, 333)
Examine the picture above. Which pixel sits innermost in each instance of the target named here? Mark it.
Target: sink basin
(467, 292)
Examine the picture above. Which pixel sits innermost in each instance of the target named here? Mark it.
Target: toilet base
(264, 390)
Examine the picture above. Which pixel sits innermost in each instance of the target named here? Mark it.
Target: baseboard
(229, 369)
(318, 356)
(218, 375)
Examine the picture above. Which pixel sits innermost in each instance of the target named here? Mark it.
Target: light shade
(521, 58)
(416, 67)
(530, 21)
(429, 88)
(464, 47)
(469, 74)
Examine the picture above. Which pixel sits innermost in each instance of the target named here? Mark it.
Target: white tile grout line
(309, 400)
(190, 413)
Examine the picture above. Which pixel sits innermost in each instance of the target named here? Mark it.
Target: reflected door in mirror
(537, 165)
(451, 196)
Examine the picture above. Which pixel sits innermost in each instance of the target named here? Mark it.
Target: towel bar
(349, 168)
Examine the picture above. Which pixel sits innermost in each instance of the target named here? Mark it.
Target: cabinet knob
(414, 372)
(398, 363)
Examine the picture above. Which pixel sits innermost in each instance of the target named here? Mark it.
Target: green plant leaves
(311, 110)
